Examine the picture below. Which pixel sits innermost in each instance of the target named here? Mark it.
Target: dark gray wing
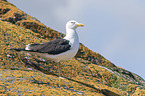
(52, 47)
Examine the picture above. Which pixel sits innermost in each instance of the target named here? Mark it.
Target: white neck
(72, 36)
(70, 33)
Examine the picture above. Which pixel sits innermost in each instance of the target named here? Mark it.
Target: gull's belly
(63, 56)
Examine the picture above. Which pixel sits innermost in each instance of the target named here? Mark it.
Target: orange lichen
(88, 73)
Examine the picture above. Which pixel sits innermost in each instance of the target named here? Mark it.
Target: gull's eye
(72, 22)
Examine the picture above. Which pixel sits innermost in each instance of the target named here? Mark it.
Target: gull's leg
(59, 70)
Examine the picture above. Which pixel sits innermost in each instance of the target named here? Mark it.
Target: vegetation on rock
(88, 73)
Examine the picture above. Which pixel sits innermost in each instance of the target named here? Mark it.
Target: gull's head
(72, 24)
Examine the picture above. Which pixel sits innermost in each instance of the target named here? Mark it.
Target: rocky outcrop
(88, 73)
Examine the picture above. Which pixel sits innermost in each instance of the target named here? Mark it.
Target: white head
(72, 24)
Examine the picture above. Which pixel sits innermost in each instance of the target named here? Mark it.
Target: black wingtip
(18, 49)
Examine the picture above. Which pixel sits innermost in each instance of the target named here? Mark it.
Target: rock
(89, 73)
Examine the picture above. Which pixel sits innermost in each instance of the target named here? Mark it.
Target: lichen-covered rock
(16, 66)
(37, 27)
(15, 18)
(88, 73)
(4, 11)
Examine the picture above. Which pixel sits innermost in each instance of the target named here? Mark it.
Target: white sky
(113, 28)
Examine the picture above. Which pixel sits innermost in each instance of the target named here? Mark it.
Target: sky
(113, 28)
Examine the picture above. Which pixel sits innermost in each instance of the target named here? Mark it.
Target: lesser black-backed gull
(58, 49)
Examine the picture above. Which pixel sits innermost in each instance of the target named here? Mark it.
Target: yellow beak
(79, 24)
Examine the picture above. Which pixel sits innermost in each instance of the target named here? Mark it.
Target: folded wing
(52, 47)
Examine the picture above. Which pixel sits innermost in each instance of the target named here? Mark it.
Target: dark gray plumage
(52, 47)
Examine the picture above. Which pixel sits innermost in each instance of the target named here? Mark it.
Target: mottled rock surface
(88, 74)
